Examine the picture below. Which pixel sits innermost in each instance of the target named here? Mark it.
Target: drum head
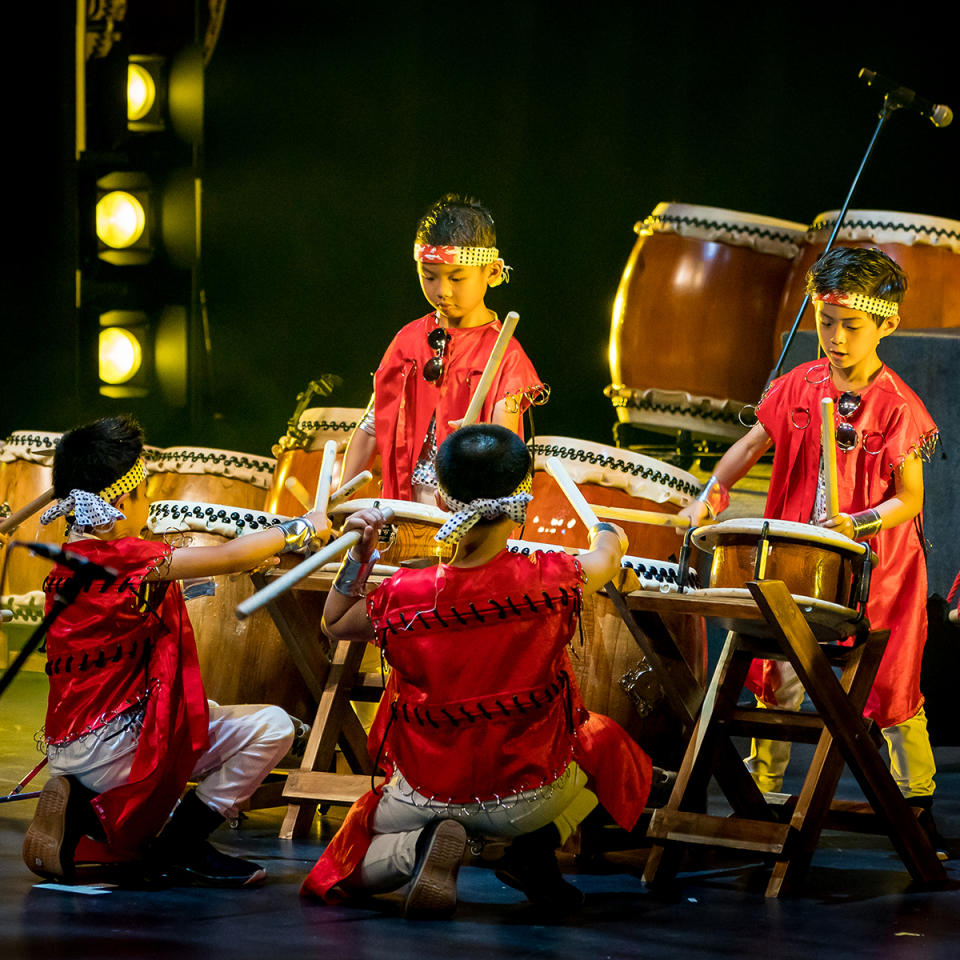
(179, 516)
(707, 537)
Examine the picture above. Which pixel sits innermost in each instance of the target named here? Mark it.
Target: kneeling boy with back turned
(127, 721)
(883, 430)
(481, 729)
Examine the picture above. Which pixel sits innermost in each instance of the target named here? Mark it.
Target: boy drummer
(882, 431)
(428, 373)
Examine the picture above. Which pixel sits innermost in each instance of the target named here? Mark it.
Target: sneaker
(44, 850)
(433, 888)
(206, 866)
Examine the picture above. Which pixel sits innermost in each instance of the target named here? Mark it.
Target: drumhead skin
(35, 446)
(179, 516)
(321, 424)
(705, 278)
(246, 467)
(706, 537)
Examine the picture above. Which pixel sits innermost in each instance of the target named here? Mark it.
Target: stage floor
(858, 900)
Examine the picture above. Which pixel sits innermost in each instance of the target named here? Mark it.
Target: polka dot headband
(513, 506)
(859, 301)
(95, 510)
(464, 256)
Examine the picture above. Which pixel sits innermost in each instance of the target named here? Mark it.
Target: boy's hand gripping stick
(303, 569)
(493, 364)
(829, 457)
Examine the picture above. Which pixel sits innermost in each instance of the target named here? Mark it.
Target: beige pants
(908, 744)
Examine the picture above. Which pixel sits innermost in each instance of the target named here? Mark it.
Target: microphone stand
(886, 111)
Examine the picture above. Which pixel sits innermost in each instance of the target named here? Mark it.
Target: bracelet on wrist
(714, 496)
(298, 533)
(866, 524)
(351, 579)
(602, 527)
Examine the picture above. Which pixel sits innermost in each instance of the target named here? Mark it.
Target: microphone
(939, 114)
(86, 568)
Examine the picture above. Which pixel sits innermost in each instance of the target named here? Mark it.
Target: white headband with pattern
(467, 514)
(859, 301)
(94, 510)
(462, 256)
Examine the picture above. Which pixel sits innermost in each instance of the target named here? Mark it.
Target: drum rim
(737, 219)
(314, 413)
(640, 460)
(778, 529)
(262, 517)
(246, 459)
(827, 219)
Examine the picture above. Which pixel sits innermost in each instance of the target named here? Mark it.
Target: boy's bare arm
(733, 465)
(345, 617)
(234, 556)
(602, 562)
(906, 503)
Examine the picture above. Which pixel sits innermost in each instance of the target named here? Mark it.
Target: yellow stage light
(120, 219)
(141, 91)
(120, 355)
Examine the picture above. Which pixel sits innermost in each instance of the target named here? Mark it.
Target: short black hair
(457, 220)
(92, 456)
(858, 270)
(482, 461)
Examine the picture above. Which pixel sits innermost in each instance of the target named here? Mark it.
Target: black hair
(858, 270)
(91, 457)
(457, 220)
(482, 461)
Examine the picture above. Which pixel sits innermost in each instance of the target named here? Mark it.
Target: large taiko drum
(300, 456)
(613, 676)
(26, 472)
(209, 476)
(928, 248)
(701, 288)
(241, 661)
(827, 573)
(609, 476)
(409, 536)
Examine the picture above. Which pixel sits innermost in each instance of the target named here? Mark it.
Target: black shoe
(184, 855)
(204, 865)
(433, 888)
(530, 865)
(922, 806)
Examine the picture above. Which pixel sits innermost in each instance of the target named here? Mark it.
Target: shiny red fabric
(481, 701)
(111, 649)
(405, 402)
(891, 423)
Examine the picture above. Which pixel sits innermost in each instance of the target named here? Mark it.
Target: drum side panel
(204, 487)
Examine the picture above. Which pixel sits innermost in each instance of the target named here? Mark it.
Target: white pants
(246, 743)
(402, 813)
(908, 744)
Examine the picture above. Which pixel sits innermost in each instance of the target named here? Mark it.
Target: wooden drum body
(409, 537)
(26, 472)
(301, 458)
(700, 281)
(241, 661)
(827, 573)
(198, 474)
(609, 476)
(928, 248)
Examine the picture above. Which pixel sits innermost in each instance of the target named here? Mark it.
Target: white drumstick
(493, 363)
(584, 511)
(299, 491)
(293, 576)
(629, 515)
(326, 476)
(829, 457)
(345, 489)
(24, 513)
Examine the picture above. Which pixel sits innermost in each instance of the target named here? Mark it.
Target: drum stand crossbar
(838, 729)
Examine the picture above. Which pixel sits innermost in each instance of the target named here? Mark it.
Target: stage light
(146, 83)
(141, 92)
(121, 219)
(121, 355)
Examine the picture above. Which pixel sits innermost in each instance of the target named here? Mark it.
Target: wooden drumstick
(293, 576)
(829, 440)
(299, 491)
(493, 363)
(326, 476)
(629, 515)
(24, 513)
(345, 489)
(571, 491)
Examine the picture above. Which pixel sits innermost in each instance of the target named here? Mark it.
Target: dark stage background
(331, 126)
